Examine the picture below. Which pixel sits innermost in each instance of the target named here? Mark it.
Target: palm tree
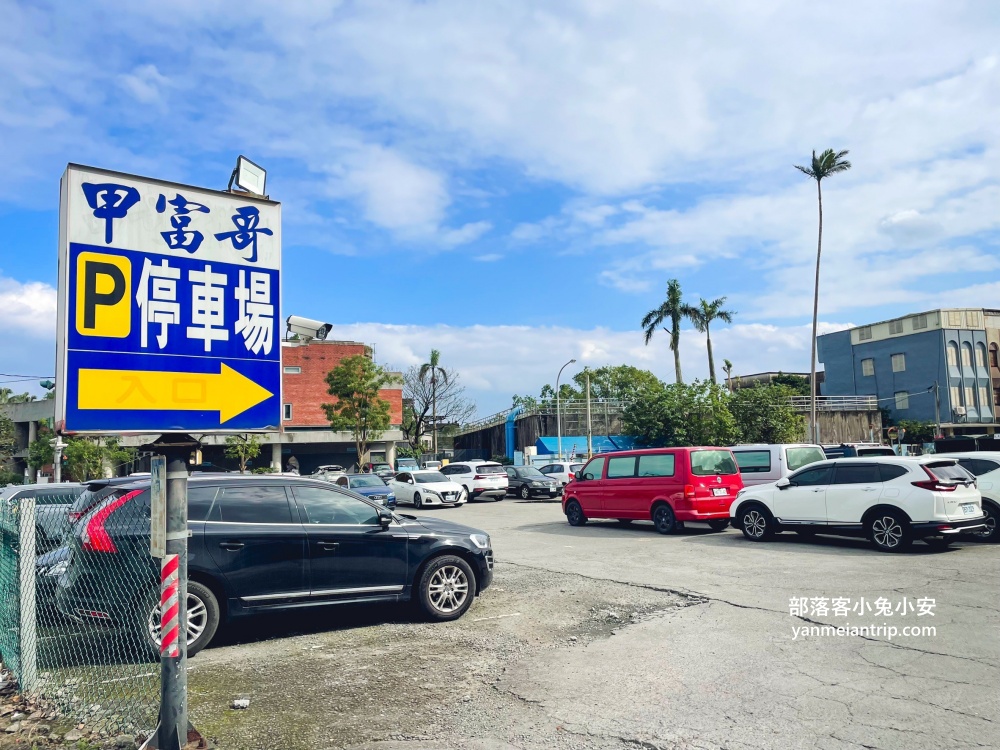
(674, 310)
(727, 367)
(824, 165)
(435, 371)
(7, 396)
(702, 315)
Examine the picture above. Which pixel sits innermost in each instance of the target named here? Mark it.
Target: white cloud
(532, 356)
(488, 258)
(27, 309)
(466, 233)
(145, 84)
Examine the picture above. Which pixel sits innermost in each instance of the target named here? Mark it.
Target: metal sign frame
(178, 388)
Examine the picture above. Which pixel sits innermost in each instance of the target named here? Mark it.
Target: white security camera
(308, 329)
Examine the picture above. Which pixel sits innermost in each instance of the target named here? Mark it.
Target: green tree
(432, 372)
(701, 316)
(727, 367)
(243, 448)
(359, 408)
(674, 310)
(7, 396)
(8, 439)
(40, 451)
(917, 431)
(798, 383)
(84, 459)
(615, 382)
(682, 414)
(764, 414)
(826, 164)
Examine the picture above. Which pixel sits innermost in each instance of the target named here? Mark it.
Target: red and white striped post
(170, 607)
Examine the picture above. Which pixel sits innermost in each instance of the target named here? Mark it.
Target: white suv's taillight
(933, 484)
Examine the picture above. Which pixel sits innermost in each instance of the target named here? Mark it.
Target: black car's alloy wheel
(203, 618)
(574, 514)
(447, 588)
(664, 519)
(525, 492)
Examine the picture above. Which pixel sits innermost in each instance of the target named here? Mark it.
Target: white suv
(480, 478)
(891, 501)
(985, 466)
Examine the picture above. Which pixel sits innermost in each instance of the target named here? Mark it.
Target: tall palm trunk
(434, 413)
(814, 437)
(711, 359)
(677, 364)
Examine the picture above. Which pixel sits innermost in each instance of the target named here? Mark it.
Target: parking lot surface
(607, 636)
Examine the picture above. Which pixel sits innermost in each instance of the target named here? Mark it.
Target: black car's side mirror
(384, 518)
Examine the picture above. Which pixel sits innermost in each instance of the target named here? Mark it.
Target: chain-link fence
(79, 617)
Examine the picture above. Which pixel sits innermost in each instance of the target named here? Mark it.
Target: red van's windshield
(709, 462)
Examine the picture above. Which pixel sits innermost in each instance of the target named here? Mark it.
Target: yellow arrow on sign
(229, 393)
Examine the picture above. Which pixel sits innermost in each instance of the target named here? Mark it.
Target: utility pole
(558, 415)
(57, 449)
(590, 435)
(937, 409)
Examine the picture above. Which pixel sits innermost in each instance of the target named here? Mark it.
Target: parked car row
(259, 543)
(763, 490)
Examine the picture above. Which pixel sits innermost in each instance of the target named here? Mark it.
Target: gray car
(52, 504)
(527, 482)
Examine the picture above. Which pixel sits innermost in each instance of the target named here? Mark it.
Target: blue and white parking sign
(169, 302)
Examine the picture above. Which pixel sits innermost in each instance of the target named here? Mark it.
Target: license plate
(719, 491)
(968, 508)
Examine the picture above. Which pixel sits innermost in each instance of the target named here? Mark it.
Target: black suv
(263, 543)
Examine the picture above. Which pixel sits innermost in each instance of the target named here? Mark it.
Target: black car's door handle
(231, 546)
(328, 546)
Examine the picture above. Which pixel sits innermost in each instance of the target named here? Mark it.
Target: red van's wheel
(574, 514)
(664, 519)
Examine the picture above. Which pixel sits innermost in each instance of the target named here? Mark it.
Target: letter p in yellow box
(103, 298)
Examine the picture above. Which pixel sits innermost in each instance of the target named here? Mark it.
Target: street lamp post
(558, 416)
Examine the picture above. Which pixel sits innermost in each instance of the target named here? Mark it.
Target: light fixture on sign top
(248, 176)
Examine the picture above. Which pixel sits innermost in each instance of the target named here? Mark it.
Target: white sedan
(423, 488)
(562, 471)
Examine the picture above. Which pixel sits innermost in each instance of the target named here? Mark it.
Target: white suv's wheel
(889, 531)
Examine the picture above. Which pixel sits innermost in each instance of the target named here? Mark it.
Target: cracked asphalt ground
(617, 637)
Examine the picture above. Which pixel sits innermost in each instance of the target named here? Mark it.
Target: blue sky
(514, 183)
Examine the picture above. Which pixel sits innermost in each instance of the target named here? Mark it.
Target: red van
(668, 486)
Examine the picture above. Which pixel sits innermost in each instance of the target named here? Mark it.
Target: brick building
(304, 382)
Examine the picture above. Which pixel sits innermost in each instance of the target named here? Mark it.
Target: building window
(953, 354)
(902, 400)
(970, 396)
(980, 355)
(868, 367)
(899, 363)
(288, 411)
(919, 322)
(956, 396)
(972, 319)
(293, 370)
(984, 397)
(966, 355)
(895, 326)
(864, 333)
(994, 356)
(954, 318)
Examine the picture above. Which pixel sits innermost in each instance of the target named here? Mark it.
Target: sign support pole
(174, 731)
